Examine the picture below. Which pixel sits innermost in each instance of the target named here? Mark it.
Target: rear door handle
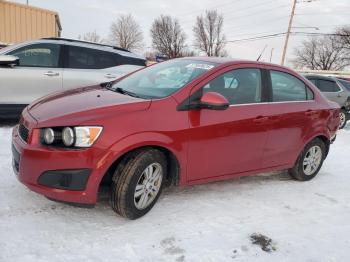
(339, 95)
(309, 112)
(260, 119)
(110, 76)
(51, 73)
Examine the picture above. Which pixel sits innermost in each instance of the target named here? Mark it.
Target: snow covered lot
(306, 221)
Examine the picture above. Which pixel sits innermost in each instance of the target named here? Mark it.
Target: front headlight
(85, 136)
(80, 136)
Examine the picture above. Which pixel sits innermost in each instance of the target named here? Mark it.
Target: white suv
(33, 69)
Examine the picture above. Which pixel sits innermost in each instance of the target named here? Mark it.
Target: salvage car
(36, 68)
(181, 122)
(335, 91)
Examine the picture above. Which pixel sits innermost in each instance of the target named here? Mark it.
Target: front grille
(23, 132)
(16, 157)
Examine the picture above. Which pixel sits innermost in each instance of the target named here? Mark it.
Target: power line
(258, 12)
(325, 13)
(267, 36)
(207, 8)
(236, 10)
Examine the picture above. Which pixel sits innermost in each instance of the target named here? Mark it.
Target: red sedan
(181, 122)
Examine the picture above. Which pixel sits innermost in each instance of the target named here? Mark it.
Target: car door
(292, 108)
(223, 143)
(38, 73)
(87, 66)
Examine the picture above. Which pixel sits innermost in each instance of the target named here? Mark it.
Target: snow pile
(264, 218)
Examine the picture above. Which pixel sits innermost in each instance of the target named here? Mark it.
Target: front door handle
(110, 76)
(260, 119)
(51, 73)
(339, 95)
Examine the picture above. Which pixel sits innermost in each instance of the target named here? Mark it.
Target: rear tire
(137, 183)
(309, 161)
(343, 118)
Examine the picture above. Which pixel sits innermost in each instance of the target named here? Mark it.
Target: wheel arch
(321, 136)
(173, 170)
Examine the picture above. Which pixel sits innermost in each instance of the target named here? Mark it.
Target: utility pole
(271, 54)
(288, 32)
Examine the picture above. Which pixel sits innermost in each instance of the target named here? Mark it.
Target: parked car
(33, 69)
(345, 83)
(180, 122)
(334, 90)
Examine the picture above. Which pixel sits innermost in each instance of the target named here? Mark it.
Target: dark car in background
(335, 90)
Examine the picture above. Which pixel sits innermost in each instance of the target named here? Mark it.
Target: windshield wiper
(125, 92)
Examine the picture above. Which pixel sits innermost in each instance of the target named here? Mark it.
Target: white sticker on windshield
(200, 66)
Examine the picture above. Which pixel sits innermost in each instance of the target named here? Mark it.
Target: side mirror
(9, 60)
(214, 101)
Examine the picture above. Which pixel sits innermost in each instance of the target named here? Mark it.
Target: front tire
(343, 118)
(310, 161)
(137, 183)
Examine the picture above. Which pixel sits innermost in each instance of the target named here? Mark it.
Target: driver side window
(38, 55)
(239, 86)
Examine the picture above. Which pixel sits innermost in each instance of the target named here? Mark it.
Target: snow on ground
(306, 221)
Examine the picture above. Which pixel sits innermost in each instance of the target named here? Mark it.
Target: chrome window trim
(279, 102)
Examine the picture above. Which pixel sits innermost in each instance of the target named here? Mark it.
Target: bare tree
(321, 53)
(126, 33)
(344, 36)
(91, 37)
(168, 38)
(208, 34)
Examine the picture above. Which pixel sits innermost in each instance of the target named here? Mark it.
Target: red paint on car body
(209, 145)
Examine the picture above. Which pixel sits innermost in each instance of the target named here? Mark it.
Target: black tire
(297, 172)
(126, 177)
(342, 125)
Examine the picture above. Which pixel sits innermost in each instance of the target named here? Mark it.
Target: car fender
(307, 139)
(138, 140)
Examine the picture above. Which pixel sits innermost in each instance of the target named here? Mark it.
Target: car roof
(228, 60)
(319, 77)
(80, 43)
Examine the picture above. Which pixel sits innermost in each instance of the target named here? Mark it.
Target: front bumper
(63, 175)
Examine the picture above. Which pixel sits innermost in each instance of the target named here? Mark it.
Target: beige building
(20, 23)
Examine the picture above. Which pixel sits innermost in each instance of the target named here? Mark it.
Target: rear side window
(239, 86)
(88, 58)
(38, 55)
(124, 60)
(286, 87)
(327, 85)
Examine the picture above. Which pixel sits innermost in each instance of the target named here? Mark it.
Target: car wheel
(137, 183)
(343, 119)
(310, 161)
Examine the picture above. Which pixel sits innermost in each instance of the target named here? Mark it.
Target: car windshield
(6, 49)
(345, 84)
(163, 79)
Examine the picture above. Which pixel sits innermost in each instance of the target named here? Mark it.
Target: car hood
(84, 104)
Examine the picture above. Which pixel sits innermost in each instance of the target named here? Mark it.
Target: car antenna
(261, 53)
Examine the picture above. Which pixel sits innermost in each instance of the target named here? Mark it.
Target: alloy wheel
(342, 119)
(312, 160)
(148, 186)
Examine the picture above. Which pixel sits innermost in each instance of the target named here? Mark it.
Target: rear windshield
(345, 84)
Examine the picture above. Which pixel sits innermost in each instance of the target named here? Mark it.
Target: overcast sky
(242, 19)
